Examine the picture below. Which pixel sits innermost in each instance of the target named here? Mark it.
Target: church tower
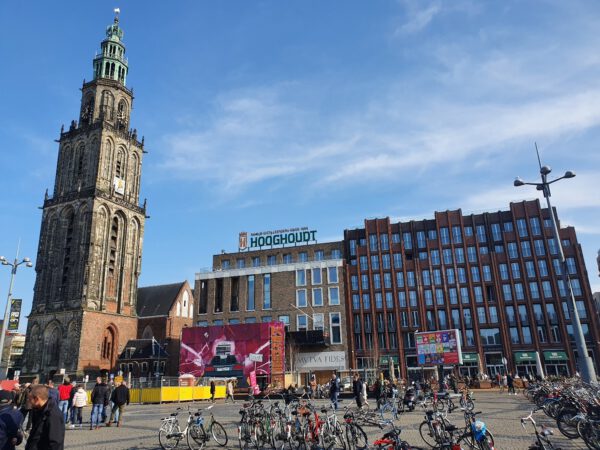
(90, 247)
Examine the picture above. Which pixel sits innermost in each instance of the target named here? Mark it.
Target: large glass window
(332, 275)
(432, 235)
(439, 296)
(412, 298)
(487, 273)
(534, 223)
(525, 249)
(389, 300)
(407, 238)
(540, 250)
(490, 336)
(437, 277)
(459, 254)
(250, 306)
(373, 244)
(464, 295)
(519, 291)
(387, 280)
(543, 268)
(410, 278)
(450, 276)
(352, 244)
(377, 281)
(456, 235)
(426, 277)
(435, 257)
(378, 300)
(453, 294)
(508, 227)
(571, 266)
(400, 279)
(534, 289)
(366, 298)
(421, 240)
(301, 298)
(267, 291)
(503, 271)
(316, 276)
(472, 254)
(522, 227)
(507, 292)
(334, 296)
(447, 254)
(547, 289)
(402, 299)
(496, 232)
(335, 322)
(385, 259)
(530, 269)
(375, 262)
(513, 252)
(302, 322)
(444, 235)
(481, 236)
(317, 297)
(354, 282)
(516, 270)
(475, 274)
(398, 260)
(428, 297)
(478, 291)
(301, 277)
(355, 301)
(364, 281)
(384, 241)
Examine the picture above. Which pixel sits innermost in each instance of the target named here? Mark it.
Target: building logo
(243, 240)
(295, 236)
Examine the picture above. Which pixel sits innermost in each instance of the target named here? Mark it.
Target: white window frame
(337, 275)
(305, 297)
(312, 275)
(298, 322)
(297, 280)
(313, 296)
(330, 288)
(331, 314)
(321, 319)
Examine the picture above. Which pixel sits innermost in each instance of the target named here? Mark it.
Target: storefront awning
(470, 357)
(555, 356)
(524, 357)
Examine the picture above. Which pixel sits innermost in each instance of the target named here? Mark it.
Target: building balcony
(308, 338)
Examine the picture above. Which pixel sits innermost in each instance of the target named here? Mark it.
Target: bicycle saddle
(199, 413)
(451, 427)
(175, 414)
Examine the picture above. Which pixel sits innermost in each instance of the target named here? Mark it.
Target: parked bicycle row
(574, 405)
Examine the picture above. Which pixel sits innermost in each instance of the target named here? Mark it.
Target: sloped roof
(142, 349)
(157, 300)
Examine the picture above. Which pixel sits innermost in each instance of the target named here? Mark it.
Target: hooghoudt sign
(249, 241)
(321, 361)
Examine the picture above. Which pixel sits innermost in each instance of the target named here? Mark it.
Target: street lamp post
(586, 366)
(14, 265)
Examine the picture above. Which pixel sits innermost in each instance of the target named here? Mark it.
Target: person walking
(100, 399)
(357, 390)
(334, 391)
(48, 425)
(230, 391)
(71, 407)
(11, 420)
(64, 395)
(25, 406)
(363, 393)
(53, 392)
(212, 390)
(79, 401)
(120, 398)
(510, 382)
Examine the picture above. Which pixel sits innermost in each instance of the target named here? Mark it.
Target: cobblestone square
(501, 413)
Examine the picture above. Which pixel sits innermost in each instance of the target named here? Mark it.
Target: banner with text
(438, 347)
(15, 314)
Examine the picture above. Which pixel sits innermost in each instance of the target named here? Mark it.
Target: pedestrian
(364, 393)
(79, 401)
(74, 388)
(230, 391)
(357, 390)
(25, 406)
(511, 384)
(11, 420)
(334, 391)
(120, 398)
(100, 398)
(498, 379)
(313, 387)
(53, 392)
(64, 395)
(48, 426)
(212, 390)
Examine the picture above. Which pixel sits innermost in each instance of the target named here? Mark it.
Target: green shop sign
(555, 356)
(385, 360)
(521, 357)
(292, 236)
(470, 357)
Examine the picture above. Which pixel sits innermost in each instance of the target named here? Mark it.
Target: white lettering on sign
(321, 360)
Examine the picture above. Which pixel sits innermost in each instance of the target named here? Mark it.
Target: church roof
(157, 300)
(142, 349)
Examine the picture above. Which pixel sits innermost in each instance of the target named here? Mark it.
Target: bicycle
(199, 432)
(391, 440)
(356, 438)
(542, 439)
(330, 432)
(170, 433)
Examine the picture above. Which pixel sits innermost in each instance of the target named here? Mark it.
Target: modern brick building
(495, 276)
(302, 286)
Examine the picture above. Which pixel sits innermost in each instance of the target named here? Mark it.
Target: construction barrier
(170, 394)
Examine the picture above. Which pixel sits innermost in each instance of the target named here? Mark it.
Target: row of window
(302, 299)
(452, 235)
(286, 258)
(317, 322)
(316, 276)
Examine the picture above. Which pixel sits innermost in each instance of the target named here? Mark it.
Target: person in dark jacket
(212, 390)
(357, 390)
(334, 391)
(510, 382)
(48, 425)
(53, 392)
(11, 420)
(100, 397)
(120, 398)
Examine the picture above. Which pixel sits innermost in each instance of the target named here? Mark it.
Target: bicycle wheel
(219, 434)
(196, 437)
(567, 424)
(590, 434)
(339, 437)
(244, 438)
(356, 437)
(472, 443)
(427, 434)
(169, 436)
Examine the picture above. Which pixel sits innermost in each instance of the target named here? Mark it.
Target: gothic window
(79, 170)
(32, 347)
(147, 334)
(107, 105)
(70, 357)
(112, 256)
(52, 345)
(67, 249)
(122, 114)
(87, 111)
(107, 159)
(107, 350)
(112, 70)
(120, 164)
(136, 174)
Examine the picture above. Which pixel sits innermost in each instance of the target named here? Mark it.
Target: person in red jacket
(64, 395)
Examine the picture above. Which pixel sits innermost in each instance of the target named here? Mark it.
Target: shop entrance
(494, 365)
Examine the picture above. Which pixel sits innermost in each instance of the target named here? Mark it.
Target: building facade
(163, 312)
(90, 247)
(494, 276)
(301, 286)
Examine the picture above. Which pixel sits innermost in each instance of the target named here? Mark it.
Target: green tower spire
(111, 62)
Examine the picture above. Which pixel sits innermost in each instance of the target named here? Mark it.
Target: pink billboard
(233, 351)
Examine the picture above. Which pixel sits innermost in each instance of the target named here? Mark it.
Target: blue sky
(264, 115)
